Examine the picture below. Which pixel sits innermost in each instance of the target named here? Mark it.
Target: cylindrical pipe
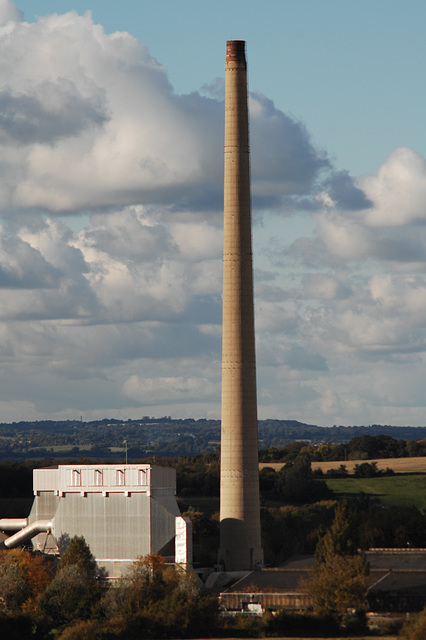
(240, 541)
(12, 524)
(28, 532)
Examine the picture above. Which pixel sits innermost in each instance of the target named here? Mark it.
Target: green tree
(338, 540)
(78, 553)
(69, 597)
(367, 470)
(75, 589)
(205, 533)
(295, 483)
(14, 590)
(23, 578)
(398, 526)
(293, 529)
(339, 579)
(156, 600)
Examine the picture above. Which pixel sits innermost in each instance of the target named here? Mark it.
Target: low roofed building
(397, 583)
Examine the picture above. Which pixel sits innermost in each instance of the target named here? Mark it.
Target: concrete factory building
(123, 512)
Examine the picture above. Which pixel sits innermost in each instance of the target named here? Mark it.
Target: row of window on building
(98, 477)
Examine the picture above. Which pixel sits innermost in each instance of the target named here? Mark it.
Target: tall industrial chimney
(240, 541)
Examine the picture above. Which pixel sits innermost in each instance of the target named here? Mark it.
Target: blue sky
(351, 71)
(111, 131)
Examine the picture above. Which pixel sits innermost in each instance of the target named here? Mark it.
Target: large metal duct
(29, 531)
(12, 524)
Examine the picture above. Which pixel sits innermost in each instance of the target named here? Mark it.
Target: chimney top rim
(236, 51)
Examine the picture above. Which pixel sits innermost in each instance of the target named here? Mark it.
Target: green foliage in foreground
(396, 490)
(339, 580)
(153, 601)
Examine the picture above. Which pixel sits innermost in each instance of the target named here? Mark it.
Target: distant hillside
(290, 430)
(109, 438)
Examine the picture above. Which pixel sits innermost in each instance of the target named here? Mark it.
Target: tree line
(43, 598)
(173, 437)
(363, 447)
(298, 515)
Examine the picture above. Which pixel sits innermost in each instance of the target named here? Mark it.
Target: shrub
(415, 628)
(23, 577)
(81, 630)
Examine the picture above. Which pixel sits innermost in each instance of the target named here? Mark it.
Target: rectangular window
(76, 478)
(98, 478)
(120, 477)
(143, 477)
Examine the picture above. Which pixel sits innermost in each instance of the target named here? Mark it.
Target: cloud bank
(121, 313)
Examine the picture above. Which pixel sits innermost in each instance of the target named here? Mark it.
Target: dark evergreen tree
(75, 588)
(339, 580)
(78, 554)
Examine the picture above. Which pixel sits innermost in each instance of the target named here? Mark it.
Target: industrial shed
(400, 584)
(397, 584)
(267, 590)
(123, 512)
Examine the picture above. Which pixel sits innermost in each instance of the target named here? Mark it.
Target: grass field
(391, 490)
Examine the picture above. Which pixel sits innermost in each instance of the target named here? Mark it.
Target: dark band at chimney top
(236, 51)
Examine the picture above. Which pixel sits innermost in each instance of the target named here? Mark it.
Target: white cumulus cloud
(122, 312)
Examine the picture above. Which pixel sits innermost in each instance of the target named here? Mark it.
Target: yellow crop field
(399, 465)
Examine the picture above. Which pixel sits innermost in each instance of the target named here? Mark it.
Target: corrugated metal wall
(123, 511)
